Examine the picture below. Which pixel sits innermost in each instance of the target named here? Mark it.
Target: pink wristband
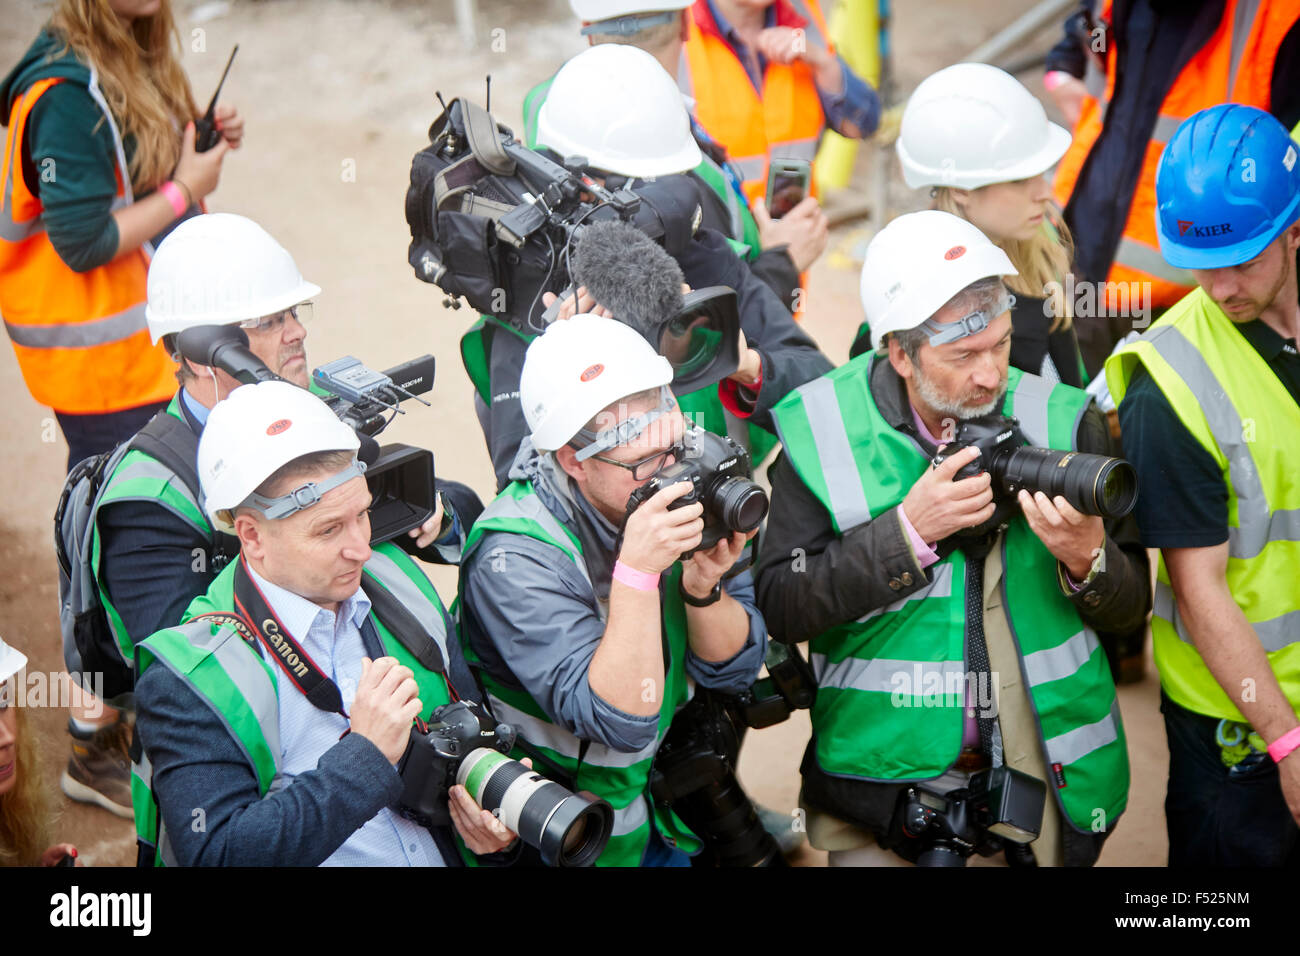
(173, 195)
(1288, 742)
(1054, 78)
(634, 578)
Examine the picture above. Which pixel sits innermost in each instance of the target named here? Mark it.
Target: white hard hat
(593, 10)
(12, 661)
(920, 261)
(258, 429)
(580, 366)
(972, 124)
(218, 269)
(617, 106)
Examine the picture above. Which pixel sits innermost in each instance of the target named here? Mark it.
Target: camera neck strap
(255, 621)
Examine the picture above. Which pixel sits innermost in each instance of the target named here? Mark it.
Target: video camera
(493, 221)
(400, 477)
(462, 744)
(1092, 484)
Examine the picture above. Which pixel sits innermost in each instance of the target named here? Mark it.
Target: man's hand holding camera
(655, 536)
(386, 702)
(1072, 537)
(701, 574)
(937, 506)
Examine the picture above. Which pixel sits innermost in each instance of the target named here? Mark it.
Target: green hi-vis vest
(237, 682)
(621, 778)
(890, 684)
(703, 405)
(1235, 406)
(141, 477)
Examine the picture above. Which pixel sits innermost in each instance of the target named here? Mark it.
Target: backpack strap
(171, 440)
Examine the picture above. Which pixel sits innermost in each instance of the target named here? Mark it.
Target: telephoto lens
(1092, 484)
(568, 829)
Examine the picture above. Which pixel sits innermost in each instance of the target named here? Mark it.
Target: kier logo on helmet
(591, 372)
(1203, 232)
(956, 252)
(277, 427)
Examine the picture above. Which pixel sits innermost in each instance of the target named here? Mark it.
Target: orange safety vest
(80, 337)
(1234, 66)
(785, 122)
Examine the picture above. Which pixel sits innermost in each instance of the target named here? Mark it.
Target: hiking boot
(99, 770)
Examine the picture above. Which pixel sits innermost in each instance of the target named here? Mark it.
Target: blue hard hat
(1227, 185)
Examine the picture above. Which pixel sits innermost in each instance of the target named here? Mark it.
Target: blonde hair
(1043, 261)
(140, 75)
(24, 812)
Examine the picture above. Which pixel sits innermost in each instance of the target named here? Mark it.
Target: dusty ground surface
(338, 96)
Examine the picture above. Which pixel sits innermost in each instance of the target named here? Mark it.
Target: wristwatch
(714, 596)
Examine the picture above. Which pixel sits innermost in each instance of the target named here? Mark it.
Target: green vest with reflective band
(141, 477)
(621, 778)
(238, 682)
(890, 684)
(1235, 406)
(703, 405)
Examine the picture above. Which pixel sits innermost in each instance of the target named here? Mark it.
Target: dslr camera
(1092, 484)
(719, 471)
(998, 806)
(462, 744)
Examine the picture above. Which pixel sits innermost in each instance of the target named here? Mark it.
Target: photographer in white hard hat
(582, 619)
(281, 707)
(951, 614)
(150, 550)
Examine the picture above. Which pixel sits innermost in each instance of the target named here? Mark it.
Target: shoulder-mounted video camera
(493, 222)
(401, 477)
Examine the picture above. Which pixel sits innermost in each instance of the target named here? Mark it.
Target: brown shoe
(99, 770)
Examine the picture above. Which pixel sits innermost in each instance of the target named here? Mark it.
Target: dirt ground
(338, 95)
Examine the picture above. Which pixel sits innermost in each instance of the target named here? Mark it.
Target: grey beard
(944, 405)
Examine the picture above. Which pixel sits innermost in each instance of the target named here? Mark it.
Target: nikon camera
(719, 471)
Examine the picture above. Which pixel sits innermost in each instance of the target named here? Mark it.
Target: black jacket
(790, 356)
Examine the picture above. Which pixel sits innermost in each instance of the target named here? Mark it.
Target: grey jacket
(535, 623)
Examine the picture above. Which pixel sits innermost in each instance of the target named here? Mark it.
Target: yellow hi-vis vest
(1235, 406)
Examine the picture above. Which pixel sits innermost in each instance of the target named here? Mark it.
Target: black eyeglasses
(651, 465)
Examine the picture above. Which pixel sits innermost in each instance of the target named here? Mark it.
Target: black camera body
(462, 744)
(492, 221)
(933, 828)
(719, 471)
(433, 755)
(1092, 484)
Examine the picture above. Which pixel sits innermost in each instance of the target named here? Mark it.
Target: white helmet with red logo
(920, 261)
(253, 433)
(579, 367)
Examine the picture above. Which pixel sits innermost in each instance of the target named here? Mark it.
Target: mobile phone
(787, 185)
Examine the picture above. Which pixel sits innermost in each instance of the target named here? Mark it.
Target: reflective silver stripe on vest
(1057, 663)
(1255, 525)
(149, 467)
(884, 676)
(407, 592)
(750, 167)
(1140, 256)
(1094, 81)
(124, 172)
(1243, 22)
(543, 733)
(631, 818)
(940, 587)
(1274, 633)
(1030, 406)
(1074, 745)
(79, 335)
(847, 499)
(11, 231)
(736, 223)
(805, 149)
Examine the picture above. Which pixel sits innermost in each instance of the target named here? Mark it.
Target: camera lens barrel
(567, 829)
(1092, 484)
(738, 502)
